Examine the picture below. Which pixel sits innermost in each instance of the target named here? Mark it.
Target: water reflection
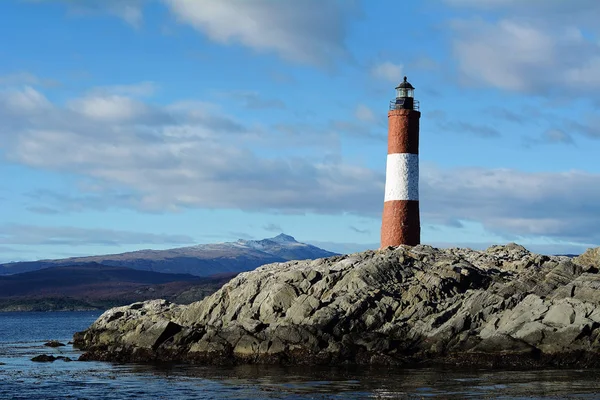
(378, 382)
(20, 378)
(22, 337)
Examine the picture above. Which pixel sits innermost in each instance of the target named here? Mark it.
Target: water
(22, 336)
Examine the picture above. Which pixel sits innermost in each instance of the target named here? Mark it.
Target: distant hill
(98, 286)
(200, 260)
(77, 279)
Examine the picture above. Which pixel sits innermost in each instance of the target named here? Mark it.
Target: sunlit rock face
(504, 306)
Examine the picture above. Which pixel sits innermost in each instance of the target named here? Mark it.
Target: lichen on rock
(503, 306)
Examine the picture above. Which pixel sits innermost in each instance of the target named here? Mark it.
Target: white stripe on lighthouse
(402, 177)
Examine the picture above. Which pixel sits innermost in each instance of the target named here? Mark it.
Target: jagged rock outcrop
(502, 306)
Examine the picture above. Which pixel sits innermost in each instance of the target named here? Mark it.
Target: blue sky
(130, 124)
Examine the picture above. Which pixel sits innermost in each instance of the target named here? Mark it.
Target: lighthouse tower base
(401, 224)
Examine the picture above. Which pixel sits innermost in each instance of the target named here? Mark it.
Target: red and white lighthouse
(401, 221)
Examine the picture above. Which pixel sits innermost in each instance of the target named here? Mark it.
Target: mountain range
(181, 275)
(200, 260)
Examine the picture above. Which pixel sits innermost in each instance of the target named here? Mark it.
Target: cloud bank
(131, 154)
(57, 235)
(540, 47)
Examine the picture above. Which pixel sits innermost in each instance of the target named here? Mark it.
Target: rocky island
(501, 307)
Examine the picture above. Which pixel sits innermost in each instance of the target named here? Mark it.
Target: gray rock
(394, 306)
(247, 346)
(532, 332)
(589, 260)
(530, 309)
(151, 334)
(303, 307)
(54, 343)
(251, 325)
(502, 344)
(560, 315)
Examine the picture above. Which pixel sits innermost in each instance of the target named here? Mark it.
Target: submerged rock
(44, 358)
(54, 343)
(49, 358)
(504, 306)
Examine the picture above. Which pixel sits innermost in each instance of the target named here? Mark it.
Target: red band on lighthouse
(401, 221)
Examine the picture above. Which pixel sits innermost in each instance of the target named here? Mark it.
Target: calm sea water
(22, 336)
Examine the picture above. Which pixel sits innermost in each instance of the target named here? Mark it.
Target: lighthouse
(401, 222)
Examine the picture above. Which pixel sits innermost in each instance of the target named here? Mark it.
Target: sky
(134, 124)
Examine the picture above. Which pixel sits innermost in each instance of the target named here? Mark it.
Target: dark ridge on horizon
(97, 286)
(90, 280)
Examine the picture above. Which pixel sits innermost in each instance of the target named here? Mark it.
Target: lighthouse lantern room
(405, 93)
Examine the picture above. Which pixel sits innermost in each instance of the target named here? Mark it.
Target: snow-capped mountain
(200, 260)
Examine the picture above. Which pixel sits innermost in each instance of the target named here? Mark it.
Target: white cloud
(364, 113)
(207, 159)
(544, 8)
(535, 47)
(67, 235)
(561, 205)
(131, 11)
(108, 108)
(182, 156)
(388, 71)
(117, 104)
(26, 100)
(310, 31)
(506, 55)
(586, 73)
